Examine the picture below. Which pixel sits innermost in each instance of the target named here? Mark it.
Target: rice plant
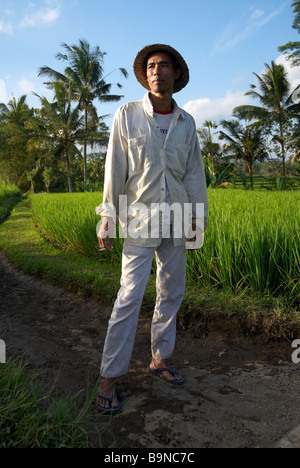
(252, 241)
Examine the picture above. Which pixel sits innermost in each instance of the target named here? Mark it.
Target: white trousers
(170, 287)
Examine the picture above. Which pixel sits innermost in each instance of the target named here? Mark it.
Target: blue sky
(223, 43)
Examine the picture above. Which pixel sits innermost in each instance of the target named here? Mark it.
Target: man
(153, 160)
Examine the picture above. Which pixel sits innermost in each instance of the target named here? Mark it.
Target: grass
(10, 196)
(252, 243)
(8, 191)
(33, 418)
(69, 222)
(247, 246)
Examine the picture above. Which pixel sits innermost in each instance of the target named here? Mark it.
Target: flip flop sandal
(159, 373)
(111, 410)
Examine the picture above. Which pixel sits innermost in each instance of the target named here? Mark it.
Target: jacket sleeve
(195, 183)
(116, 169)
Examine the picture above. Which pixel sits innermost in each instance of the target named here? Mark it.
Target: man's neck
(161, 102)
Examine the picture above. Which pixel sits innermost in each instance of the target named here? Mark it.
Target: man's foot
(107, 400)
(161, 368)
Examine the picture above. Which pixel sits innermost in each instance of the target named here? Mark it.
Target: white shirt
(137, 158)
(164, 120)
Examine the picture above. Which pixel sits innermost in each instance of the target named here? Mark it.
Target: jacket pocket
(138, 157)
(180, 160)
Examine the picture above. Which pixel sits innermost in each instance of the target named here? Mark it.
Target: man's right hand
(106, 227)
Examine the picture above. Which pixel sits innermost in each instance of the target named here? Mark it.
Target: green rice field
(251, 244)
(9, 197)
(8, 190)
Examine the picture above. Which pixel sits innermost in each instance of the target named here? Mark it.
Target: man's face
(161, 74)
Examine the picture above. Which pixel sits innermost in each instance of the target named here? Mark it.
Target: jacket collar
(148, 107)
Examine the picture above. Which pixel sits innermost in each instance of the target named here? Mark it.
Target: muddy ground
(239, 391)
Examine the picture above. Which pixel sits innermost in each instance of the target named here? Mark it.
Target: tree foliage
(277, 108)
(244, 143)
(84, 76)
(41, 146)
(293, 47)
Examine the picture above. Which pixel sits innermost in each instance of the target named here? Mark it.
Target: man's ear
(177, 73)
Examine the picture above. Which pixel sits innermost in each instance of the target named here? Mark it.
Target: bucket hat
(139, 65)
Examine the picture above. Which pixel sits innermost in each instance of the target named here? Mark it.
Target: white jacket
(135, 162)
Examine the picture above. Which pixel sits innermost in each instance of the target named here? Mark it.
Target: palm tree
(277, 106)
(16, 120)
(294, 47)
(210, 148)
(217, 167)
(85, 76)
(15, 112)
(62, 126)
(244, 143)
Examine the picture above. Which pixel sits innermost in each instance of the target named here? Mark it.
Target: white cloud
(6, 27)
(215, 109)
(221, 108)
(293, 72)
(29, 85)
(44, 13)
(243, 28)
(41, 16)
(25, 87)
(256, 14)
(8, 12)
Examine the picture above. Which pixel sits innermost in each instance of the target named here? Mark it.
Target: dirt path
(239, 392)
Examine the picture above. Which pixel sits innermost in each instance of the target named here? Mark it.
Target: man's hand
(105, 231)
(195, 239)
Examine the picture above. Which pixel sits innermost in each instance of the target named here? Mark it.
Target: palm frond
(55, 75)
(248, 112)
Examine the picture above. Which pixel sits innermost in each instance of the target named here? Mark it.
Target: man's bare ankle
(107, 385)
(155, 363)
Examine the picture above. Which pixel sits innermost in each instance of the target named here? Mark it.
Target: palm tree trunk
(282, 151)
(69, 173)
(84, 150)
(31, 184)
(283, 160)
(249, 164)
